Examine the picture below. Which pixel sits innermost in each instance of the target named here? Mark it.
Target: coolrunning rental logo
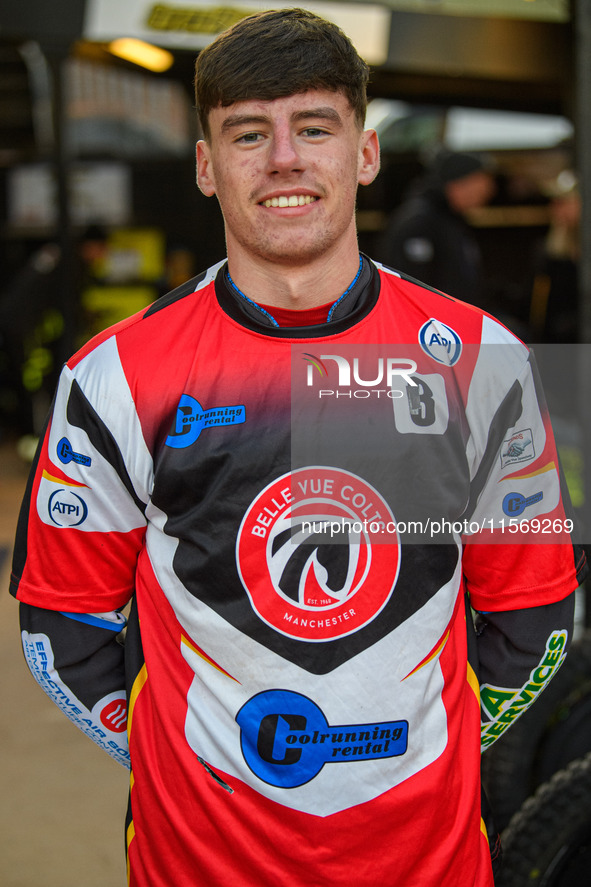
(66, 454)
(348, 378)
(303, 581)
(286, 739)
(191, 419)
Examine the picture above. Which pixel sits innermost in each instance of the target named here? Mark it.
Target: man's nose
(284, 155)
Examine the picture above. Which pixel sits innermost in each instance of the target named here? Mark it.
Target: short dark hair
(276, 54)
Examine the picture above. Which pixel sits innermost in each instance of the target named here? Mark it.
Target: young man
(301, 707)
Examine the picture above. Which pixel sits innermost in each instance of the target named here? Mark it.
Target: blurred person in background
(554, 297)
(32, 325)
(428, 236)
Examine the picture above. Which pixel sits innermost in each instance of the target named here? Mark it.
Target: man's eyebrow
(324, 112)
(234, 120)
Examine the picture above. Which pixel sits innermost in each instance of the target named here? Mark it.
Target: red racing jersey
(298, 514)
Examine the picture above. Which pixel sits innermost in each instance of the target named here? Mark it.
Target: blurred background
(99, 215)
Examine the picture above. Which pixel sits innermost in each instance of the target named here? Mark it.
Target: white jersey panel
(94, 499)
(232, 671)
(502, 360)
(106, 388)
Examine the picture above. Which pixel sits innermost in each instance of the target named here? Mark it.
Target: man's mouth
(293, 200)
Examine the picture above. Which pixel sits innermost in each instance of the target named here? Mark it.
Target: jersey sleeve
(78, 661)
(519, 652)
(82, 523)
(518, 550)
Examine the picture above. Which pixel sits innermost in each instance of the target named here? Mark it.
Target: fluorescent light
(366, 24)
(140, 53)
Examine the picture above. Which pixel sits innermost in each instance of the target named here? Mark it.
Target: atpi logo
(286, 739)
(302, 578)
(440, 342)
(66, 508)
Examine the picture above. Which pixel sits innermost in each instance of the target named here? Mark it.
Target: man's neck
(317, 281)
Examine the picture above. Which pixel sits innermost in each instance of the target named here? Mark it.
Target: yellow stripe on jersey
(130, 837)
(135, 691)
(59, 480)
(473, 681)
(431, 656)
(550, 466)
(483, 829)
(203, 655)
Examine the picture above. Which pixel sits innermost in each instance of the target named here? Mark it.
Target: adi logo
(440, 342)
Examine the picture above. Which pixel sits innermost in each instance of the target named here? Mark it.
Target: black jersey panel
(19, 556)
(82, 415)
(88, 659)
(185, 289)
(505, 417)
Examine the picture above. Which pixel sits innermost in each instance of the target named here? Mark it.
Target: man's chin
(293, 253)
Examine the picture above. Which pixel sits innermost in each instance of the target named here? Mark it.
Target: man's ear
(205, 177)
(369, 157)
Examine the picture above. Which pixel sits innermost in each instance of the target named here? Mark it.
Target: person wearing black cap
(428, 236)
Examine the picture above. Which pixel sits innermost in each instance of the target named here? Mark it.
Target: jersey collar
(354, 304)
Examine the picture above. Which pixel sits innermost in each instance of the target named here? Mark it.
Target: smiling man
(297, 467)
(285, 162)
(286, 173)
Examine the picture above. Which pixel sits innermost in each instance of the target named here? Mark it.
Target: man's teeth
(293, 200)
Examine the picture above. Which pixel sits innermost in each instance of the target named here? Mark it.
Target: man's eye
(249, 137)
(314, 131)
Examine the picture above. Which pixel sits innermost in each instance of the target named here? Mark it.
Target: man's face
(286, 173)
(471, 191)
